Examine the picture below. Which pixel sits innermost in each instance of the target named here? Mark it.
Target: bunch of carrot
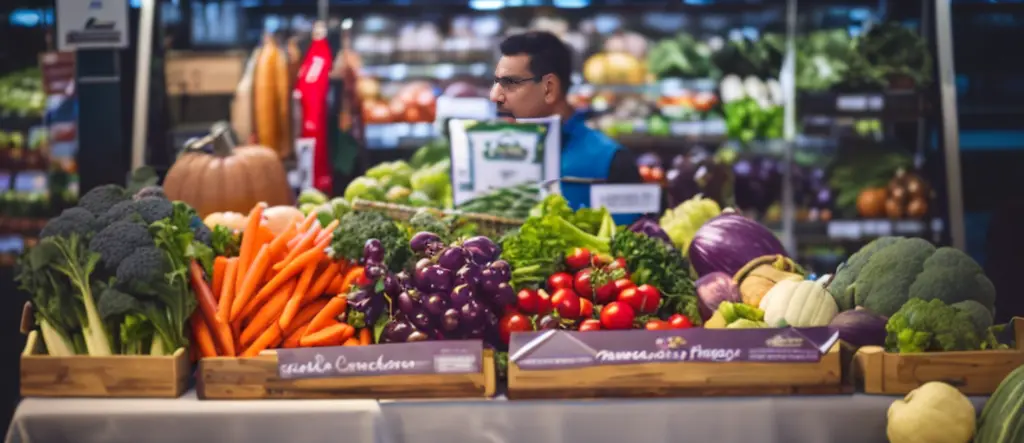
(282, 291)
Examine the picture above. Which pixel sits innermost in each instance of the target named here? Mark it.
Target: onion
(728, 242)
(713, 289)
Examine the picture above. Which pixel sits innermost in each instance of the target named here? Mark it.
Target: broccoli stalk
(75, 262)
(574, 236)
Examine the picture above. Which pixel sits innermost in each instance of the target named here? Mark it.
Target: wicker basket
(486, 224)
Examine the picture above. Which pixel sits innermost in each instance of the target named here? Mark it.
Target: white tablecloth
(188, 420)
(810, 419)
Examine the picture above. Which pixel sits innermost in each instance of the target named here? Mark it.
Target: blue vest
(586, 153)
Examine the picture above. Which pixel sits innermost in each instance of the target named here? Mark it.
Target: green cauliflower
(895, 269)
(926, 326)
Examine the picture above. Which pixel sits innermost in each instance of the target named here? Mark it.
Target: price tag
(844, 230)
(626, 199)
(859, 103)
(302, 176)
(909, 227)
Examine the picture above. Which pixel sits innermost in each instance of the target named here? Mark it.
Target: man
(531, 80)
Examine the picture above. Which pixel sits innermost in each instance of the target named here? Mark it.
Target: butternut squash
(265, 95)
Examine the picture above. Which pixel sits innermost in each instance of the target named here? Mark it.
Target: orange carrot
(322, 281)
(268, 339)
(227, 291)
(335, 286)
(303, 245)
(327, 231)
(293, 338)
(353, 274)
(294, 267)
(333, 309)
(250, 237)
(332, 335)
(308, 222)
(306, 314)
(268, 314)
(365, 336)
(220, 330)
(351, 342)
(248, 287)
(220, 264)
(202, 337)
(279, 244)
(265, 235)
(297, 296)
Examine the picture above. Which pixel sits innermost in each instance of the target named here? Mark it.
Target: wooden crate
(681, 379)
(972, 372)
(235, 378)
(118, 376)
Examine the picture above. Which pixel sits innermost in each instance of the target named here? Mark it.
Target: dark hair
(548, 54)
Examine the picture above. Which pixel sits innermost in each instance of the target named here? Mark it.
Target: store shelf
(441, 71)
(384, 136)
(893, 105)
(861, 231)
(668, 87)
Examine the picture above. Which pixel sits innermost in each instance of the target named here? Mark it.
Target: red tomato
(582, 284)
(586, 308)
(650, 298)
(622, 284)
(528, 301)
(590, 325)
(657, 325)
(544, 306)
(567, 303)
(605, 293)
(601, 260)
(621, 263)
(579, 258)
(680, 321)
(513, 322)
(617, 315)
(561, 280)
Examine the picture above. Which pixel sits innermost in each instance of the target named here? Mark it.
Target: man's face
(519, 92)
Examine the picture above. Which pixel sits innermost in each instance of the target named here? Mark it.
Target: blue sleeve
(625, 219)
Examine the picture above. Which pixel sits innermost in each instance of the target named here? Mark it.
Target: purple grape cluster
(457, 291)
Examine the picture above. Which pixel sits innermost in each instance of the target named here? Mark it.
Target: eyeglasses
(511, 81)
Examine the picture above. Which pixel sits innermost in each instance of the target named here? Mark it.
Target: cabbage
(682, 222)
(396, 173)
(365, 188)
(434, 181)
(728, 242)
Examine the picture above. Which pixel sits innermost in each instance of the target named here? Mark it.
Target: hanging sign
(495, 154)
(92, 24)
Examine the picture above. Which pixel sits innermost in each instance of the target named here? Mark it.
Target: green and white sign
(488, 155)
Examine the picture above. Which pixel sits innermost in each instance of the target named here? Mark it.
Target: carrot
(327, 231)
(202, 337)
(307, 222)
(334, 287)
(305, 315)
(303, 245)
(220, 264)
(268, 314)
(268, 339)
(220, 330)
(249, 238)
(332, 335)
(227, 291)
(293, 338)
(351, 342)
(334, 308)
(280, 243)
(313, 255)
(265, 235)
(248, 287)
(297, 296)
(322, 281)
(353, 274)
(365, 336)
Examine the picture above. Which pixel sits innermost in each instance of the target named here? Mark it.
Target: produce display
(21, 93)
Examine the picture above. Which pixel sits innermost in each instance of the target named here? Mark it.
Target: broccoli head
(913, 268)
(153, 208)
(150, 191)
(355, 228)
(117, 241)
(101, 198)
(124, 210)
(146, 264)
(849, 270)
(70, 221)
(923, 326)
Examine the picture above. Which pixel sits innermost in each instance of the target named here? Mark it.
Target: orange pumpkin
(228, 179)
(871, 202)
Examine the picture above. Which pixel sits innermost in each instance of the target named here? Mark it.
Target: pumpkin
(279, 217)
(761, 274)
(232, 220)
(871, 202)
(228, 178)
(799, 304)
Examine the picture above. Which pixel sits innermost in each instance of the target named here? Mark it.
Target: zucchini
(1002, 419)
